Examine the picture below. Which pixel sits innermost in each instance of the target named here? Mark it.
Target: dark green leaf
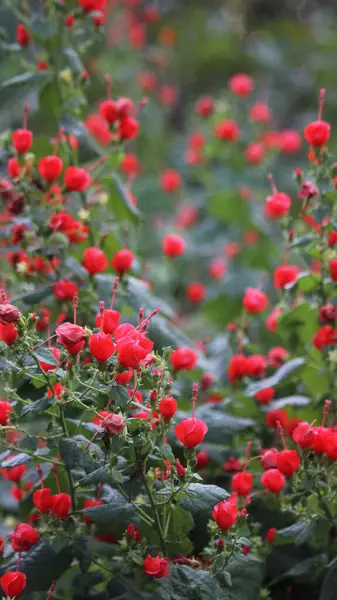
(26, 78)
(74, 60)
(119, 395)
(38, 405)
(14, 461)
(328, 591)
(119, 201)
(118, 511)
(201, 498)
(280, 375)
(74, 457)
(45, 355)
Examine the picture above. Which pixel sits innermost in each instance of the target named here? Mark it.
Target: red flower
(22, 140)
(168, 407)
(125, 377)
(236, 367)
(255, 301)
(288, 462)
(317, 133)
(256, 365)
(109, 321)
(132, 346)
(232, 464)
(268, 458)
(156, 566)
(170, 181)
(308, 190)
(331, 445)
(112, 424)
(242, 483)
(260, 112)
(225, 514)
(24, 537)
(328, 313)
(122, 261)
(13, 583)
(195, 292)
(8, 313)
(241, 84)
(277, 415)
(270, 535)
(303, 435)
(87, 504)
(130, 164)
(50, 167)
(65, 289)
(42, 499)
(284, 275)
(14, 474)
(325, 336)
(76, 179)
(333, 269)
(92, 5)
(254, 153)
(61, 505)
(22, 35)
(205, 106)
(290, 141)
(191, 431)
(271, 322)
(184, 359)
(133, 533)
(217, 269)
(173, 245)
(5, 410)
(94, 260)
(277, 356)
(277, 205)
(71, 337)
(99, 129)
(265, 396)
(273, 480)
(181, 471)
(128, 128)
(227, 130)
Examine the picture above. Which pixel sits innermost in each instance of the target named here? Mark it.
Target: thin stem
(156, 515)
(68, 471)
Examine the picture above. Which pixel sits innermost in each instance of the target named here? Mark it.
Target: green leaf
(38, 405)
(59, 543)
(280, 375)
(115, 513)
(26, 78)
(74, 457)
(298, 326)
(45, 355)
(119, 201)
(119, 395)
(18, 459)
(41, 565)
(74, 60)
(101, 475)
(35, 296)
(199, 498)
(49, 99)
(328, 591)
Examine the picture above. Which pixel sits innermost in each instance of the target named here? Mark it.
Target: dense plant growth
(168, 392)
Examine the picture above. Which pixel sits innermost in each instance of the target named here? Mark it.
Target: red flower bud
(8, 333)
(132, 346)
(170, 180)
(14, 474)
(254, 153)
(270, 535)
(303, 435)
(333, 269)
(61, 505)
(284, 275)
(5, 410)
(264, 396)
(202, 459)
(241, 84)
(317, 133)
(173, 245)
(288, 462)
(65, 289)
(128, 128)
(125, 377)
(92, 5)
(195, 292)
(122, 261)
(277, 205)
(95, 260)
(273, 480)
(23, 537)
(328, 313)
(184, 359)
(22, 140)
(277, 356)
(42, 499)
(242, 483)
(76, 179)
(181, 471)
(168, 407)
(134, 533)
(109, 321)
(227, 130)
(255, 301)
(191, 431)
(22, 35)
(325, 336)
(13, 583)
(50, 167)
(113, 424)
(225, 514)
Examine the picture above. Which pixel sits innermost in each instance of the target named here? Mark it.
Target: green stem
(156, 515)
(68, 471)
